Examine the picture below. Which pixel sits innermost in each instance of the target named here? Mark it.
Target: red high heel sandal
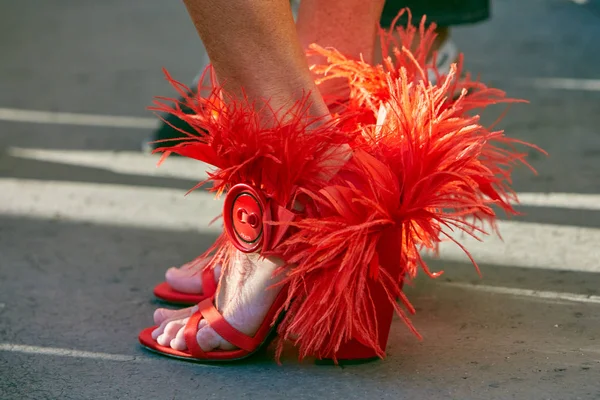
(245, 218)
(248, 345)
(421, 166)
(248, 217)
(253, 222)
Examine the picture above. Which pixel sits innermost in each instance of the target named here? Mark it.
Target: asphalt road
(88, 225)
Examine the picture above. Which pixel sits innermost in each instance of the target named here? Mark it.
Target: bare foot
(188, 277)
(243, 299)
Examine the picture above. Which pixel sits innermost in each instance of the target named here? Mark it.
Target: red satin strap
(189, 334)
(223, 328)
(209, 286)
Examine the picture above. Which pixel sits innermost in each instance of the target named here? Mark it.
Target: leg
(168, 129)
(184, 285)
(245, 308)
(433, 168)
(317, 22)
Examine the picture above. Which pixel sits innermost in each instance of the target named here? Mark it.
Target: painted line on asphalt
(588, 85)
(55, 351)
(137, 163)
(121, 162)
(538, 294)
(111, 205)
(532, 245)
(65, 118)
(579, 201)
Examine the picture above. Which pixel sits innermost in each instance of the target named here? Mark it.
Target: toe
(159, 331)
(178, 273)
(170, 332)
(173, 315)
(179, 342)
(208, 339)
(185, 280)
(162, 315)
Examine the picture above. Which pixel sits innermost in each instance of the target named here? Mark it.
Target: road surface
(88, 224)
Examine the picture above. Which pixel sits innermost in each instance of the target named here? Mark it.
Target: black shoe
(167, 130)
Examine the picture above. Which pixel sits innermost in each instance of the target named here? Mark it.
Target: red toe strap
(189, 334)
(223, 328)
(209, 286)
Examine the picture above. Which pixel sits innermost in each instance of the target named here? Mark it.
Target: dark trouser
(442, 12)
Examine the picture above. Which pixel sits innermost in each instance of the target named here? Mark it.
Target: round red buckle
(244, 214)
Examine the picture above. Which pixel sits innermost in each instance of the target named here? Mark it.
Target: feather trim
(422, 166)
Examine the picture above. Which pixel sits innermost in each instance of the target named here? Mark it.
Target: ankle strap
(253, 222)
(224, 329)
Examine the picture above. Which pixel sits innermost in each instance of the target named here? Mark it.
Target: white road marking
(65, 118)
(121, 162)
(106, 204)
(577, 201)
(530, 245)
(592, 85)
(540, 294)
(54, 351)
(137, 163)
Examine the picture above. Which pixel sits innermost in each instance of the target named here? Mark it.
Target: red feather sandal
(347, 253)
(421, 166)
(247, 345)
(356, 253)
(250, 226)
(245, 217)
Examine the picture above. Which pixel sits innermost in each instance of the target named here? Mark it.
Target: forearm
(254, 47)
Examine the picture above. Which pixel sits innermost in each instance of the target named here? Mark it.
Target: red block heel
(356, 350)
